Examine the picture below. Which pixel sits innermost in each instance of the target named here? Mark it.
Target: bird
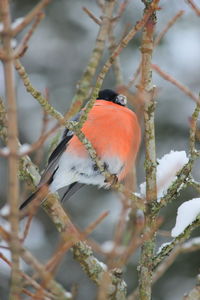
(114, 132)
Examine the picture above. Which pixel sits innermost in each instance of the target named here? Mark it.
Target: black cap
(112, 96)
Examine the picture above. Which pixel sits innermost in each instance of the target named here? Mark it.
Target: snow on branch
(167, 169)
(187, 213)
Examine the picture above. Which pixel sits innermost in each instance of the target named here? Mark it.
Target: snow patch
(13, 25)
(187, 213)
(24, 148)
(162, 246)
(5, 151)
(5, 210)
(107, 246)
(17, 22)
(168, 166)
(192, 242)
(103, 266)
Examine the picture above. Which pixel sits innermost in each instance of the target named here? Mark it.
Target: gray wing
(52, 167)
(47, 176)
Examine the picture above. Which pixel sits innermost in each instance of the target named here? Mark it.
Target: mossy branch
(12, 129)
(177, 241)
(147, 89)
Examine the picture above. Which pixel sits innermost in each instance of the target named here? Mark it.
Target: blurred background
(56, 58)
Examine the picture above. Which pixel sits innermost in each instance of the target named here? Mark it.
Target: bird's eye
(121, 99)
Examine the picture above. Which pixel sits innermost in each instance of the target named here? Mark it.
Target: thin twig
(175, 82)
(116, 63)
(36, 94)
(28, 279)
(82, 252)
(122, 7)
(167, 27)
(194, 7)
(52, 285)
(30, 16)
(27, 170)
(193, 129)
(91, 15)
(22, 47)
(27, 227)
(156, 42)
(68, 243)
(36, 145)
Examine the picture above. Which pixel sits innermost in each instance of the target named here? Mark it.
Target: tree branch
(157, 259)
(195, 292)
(13, 190)
(58, 291)
(30, 16)
(84, 86)
(175, 82)
(145, 270)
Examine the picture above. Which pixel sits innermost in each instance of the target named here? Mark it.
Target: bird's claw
(113, 179)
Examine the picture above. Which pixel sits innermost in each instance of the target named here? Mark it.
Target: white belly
(72, 169)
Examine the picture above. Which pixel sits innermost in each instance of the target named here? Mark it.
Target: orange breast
(113, 130)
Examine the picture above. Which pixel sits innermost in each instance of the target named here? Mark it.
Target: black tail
(72, 189)
(30, 198)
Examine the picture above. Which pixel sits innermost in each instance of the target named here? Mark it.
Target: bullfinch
(115, 134)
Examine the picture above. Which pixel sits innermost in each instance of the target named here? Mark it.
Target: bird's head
(112, 96)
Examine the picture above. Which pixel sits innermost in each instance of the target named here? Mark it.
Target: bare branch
(92, 16)
(30, 16)
(193, 128)
(52, 285)
(37, 95)
(168, 26)
(28, 279)
(82, 253)
(146, 87)
(178, 240)
(13, 184)
(156, 42)
(22, 47)
(179, 85)
(194, 7)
